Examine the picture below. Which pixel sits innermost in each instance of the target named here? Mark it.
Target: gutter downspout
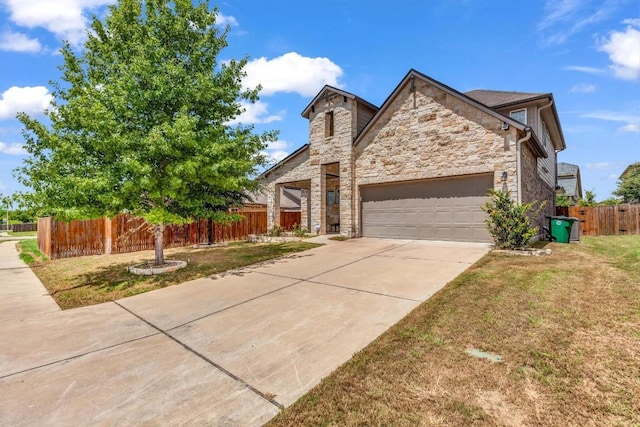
(519, 161)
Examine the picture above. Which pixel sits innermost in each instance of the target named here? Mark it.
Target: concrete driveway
(226, 350)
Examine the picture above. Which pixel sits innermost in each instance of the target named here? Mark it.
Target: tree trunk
(158, 239)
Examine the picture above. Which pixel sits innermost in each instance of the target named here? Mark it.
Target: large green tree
(140, 121)
(629, 187)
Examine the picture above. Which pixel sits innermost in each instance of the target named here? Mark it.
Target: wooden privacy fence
(604, 220)
(123, 233)
(289, 219)
(30, 226)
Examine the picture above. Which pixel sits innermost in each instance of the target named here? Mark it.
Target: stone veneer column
(304, 209)
(319, 200)
(273, 205)
(347, 209)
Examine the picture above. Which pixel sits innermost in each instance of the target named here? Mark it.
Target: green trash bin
(560, 227)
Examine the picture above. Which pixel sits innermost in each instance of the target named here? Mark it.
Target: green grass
(23, 233)
(567, 327)
(29, 252)
(76, 282)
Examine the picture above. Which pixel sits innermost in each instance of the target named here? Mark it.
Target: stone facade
(423, 131)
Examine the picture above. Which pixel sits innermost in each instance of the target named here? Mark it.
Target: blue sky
(586, 52)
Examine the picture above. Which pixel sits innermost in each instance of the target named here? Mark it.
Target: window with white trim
(519, 115)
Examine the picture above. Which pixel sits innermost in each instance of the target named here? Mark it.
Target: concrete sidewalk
(226, 350)
(21, 293)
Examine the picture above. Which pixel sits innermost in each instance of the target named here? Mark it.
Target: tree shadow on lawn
(113, 281)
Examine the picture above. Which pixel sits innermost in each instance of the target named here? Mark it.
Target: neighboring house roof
(290, 198)
(412, 74)
(567, 169)
(499, 99)
(628, 170)
(569, 179)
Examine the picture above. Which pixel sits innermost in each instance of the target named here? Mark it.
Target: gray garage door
(437, 209)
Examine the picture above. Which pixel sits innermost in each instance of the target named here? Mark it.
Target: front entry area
(436, 209)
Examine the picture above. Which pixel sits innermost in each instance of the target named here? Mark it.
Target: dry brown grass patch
(567, 327)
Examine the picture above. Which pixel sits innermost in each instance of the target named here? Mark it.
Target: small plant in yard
(299, 231)
(509, 222)
(276, 231)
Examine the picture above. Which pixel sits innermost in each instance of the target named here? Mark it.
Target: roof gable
(328, 91)
(412, 74)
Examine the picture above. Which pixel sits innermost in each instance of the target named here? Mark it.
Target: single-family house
(569, 183)
(420, 165)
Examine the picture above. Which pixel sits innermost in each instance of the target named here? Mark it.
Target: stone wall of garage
(427, 133)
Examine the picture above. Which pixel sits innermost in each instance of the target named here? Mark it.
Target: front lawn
(76, 282)
(567, 327)
(23, 233)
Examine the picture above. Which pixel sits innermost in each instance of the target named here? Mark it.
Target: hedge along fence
(124, 233)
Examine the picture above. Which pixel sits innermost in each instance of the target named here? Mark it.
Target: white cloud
(13, 149)
(18, 42)
(588, 70)
(278, 145)
(630, 128)
(624, 52)
(632, 122)
(67, 19)
(292, 72)
(222, 19)
(583, 88)
(558, 11)
(277, 150)
(255, 113)
(564, 18)
(29, 100)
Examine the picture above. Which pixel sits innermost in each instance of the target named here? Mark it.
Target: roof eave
(523, 101)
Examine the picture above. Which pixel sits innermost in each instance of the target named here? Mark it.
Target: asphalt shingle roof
(567, 169)
(497, 98)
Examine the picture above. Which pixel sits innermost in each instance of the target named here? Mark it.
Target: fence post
(107, 236)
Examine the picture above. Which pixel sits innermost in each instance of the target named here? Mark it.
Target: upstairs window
(328, 124)
(519, 115)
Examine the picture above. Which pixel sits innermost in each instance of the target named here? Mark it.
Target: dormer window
(519, 115)
(328, 124)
